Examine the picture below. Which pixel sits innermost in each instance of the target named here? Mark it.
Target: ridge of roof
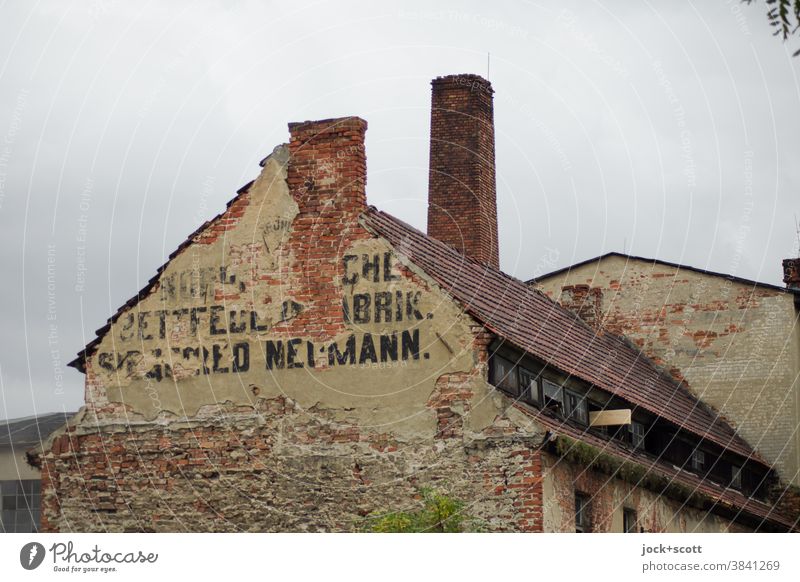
(534, 323)
(727, 276)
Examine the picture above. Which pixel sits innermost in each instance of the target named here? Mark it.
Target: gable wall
(289, 372)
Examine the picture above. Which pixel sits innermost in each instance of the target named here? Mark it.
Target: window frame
(736, 476)
(20, 505)
(637, 441)
(698, 460)
(627, 514)
(529, 391)
(559, 389)
(512, 373)
(581, 404)
(582, 510)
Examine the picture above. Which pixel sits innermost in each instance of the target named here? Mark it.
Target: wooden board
(610, 417)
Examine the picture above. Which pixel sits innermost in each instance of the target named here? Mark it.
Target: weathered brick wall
(736, 346)
(279, 469)
(608, 498)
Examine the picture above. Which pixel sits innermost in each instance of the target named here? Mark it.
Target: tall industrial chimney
(462, 199)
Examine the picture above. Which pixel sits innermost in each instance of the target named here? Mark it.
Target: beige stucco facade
(14, 466)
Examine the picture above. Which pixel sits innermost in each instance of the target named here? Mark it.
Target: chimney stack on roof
(327, 171)
(462, 198)
(791, 273)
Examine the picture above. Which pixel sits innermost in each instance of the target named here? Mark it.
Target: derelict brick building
(733, 342)
(304, 360)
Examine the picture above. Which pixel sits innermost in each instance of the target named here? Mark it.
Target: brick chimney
(327, 171)
(791, 273)
(327, 174)
(462, 198)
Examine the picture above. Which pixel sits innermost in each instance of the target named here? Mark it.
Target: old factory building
(734, 343)
(305, 360)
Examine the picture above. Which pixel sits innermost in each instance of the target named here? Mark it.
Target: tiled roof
(531, 321)
(722, 498)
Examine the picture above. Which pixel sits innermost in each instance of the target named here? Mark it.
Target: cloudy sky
(664, 129)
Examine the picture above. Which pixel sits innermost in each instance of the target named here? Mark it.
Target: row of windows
(531, 387)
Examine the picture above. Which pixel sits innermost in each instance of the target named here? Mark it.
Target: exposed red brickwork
(585, 302)
(462, 205)
(451, 399)
(452, 396)
(225, 221)
(527, 481)
(279, 470)
(327, 176)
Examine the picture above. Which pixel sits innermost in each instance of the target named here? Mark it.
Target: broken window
(629, 520)
(575, 406)
(582, 519)
(529, 386)
(736, 476)
(505, 375)
(553, 395)
(637, 431)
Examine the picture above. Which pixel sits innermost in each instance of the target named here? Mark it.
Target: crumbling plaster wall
(609, 497)
(736, 346)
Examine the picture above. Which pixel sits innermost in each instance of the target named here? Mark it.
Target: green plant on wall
(439, 513)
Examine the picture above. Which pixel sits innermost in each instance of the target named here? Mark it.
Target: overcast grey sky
(668, 127)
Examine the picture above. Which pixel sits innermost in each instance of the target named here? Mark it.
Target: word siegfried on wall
(232, 355)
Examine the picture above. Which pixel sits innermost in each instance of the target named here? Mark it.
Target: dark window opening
(736, 477)
(629, 520)
(553, 395)
(575, 407)
(505, 375)
(637, 431)
(582, 519)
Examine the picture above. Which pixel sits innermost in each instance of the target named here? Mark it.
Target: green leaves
(440, 513)
(783, 16)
